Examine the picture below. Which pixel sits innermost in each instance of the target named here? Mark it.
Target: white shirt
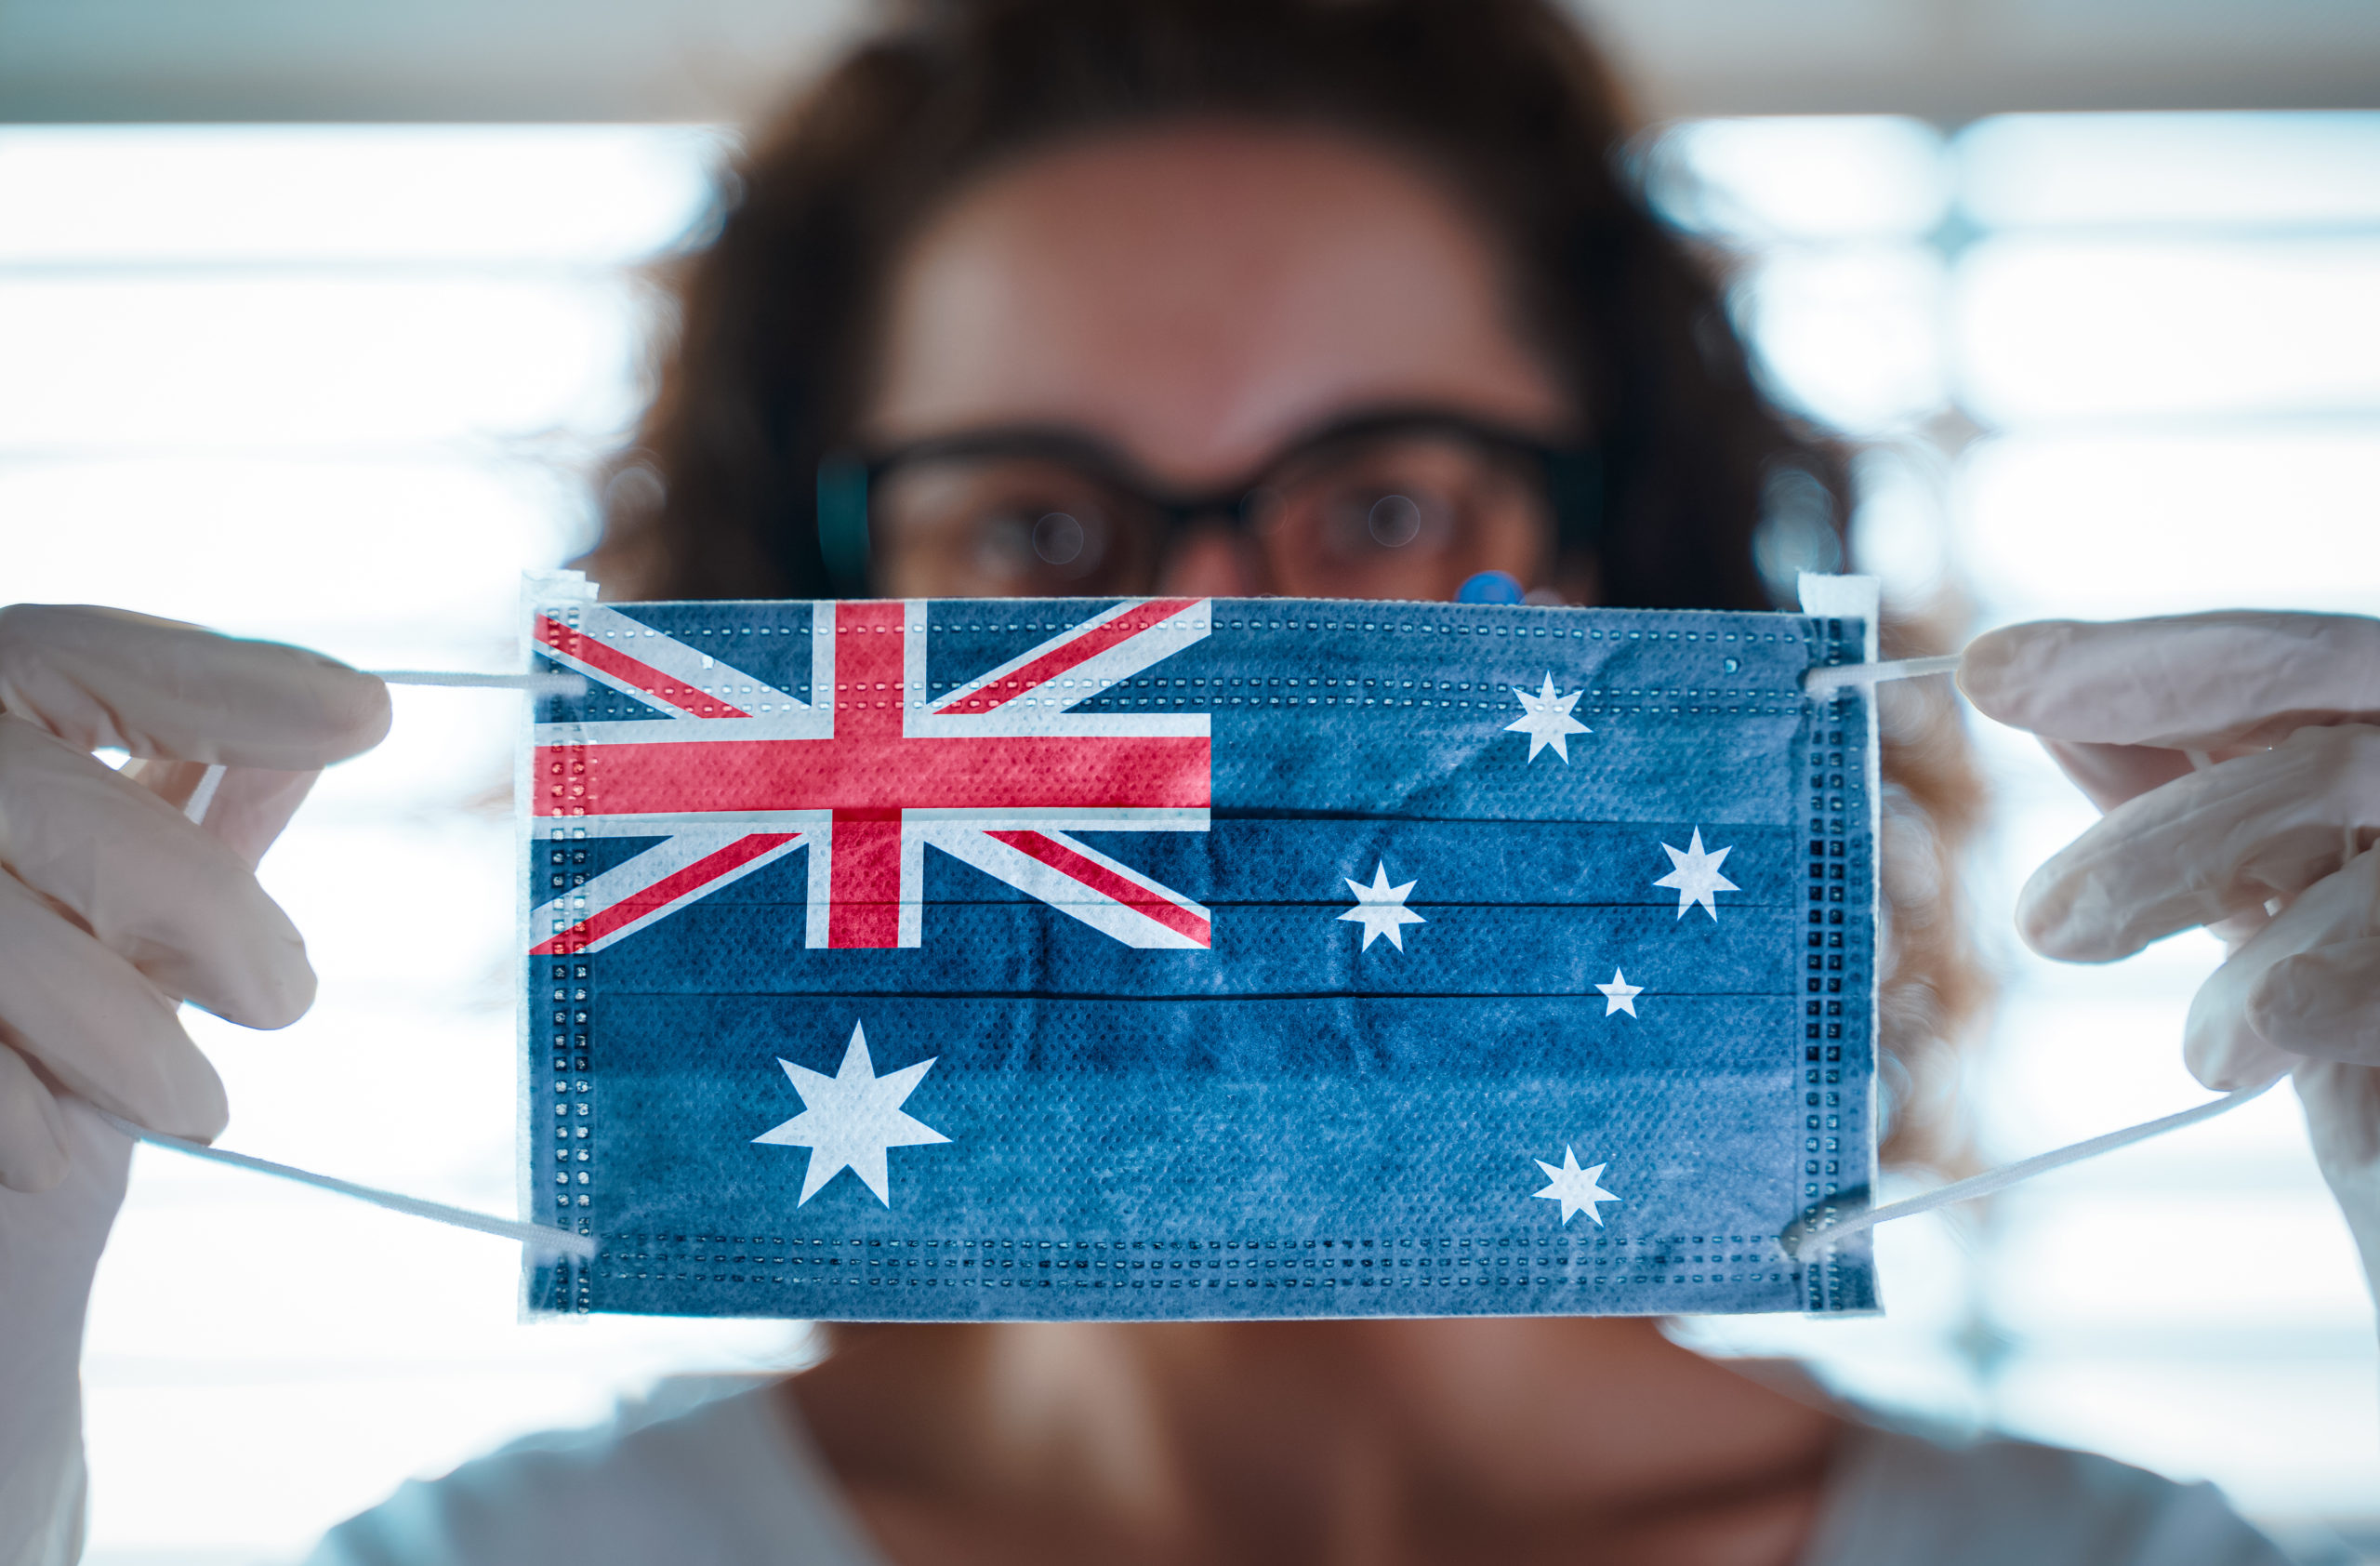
(736, 1483)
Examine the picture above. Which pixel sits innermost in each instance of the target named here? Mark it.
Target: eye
(1003, 546)
(1393, 521)
(1377, 518)
(1058, 539)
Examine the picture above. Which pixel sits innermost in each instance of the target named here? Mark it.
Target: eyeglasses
(1394, 505)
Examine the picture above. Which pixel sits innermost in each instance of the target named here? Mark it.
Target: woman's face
(1179, 313)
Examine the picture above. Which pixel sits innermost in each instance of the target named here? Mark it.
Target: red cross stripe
(870, 771)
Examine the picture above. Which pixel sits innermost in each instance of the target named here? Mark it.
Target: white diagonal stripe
(1045, 709)
(1060, 891)
(1128, 872)
(687, 664)
(574, 905)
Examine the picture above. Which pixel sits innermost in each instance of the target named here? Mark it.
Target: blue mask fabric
(1195, 959)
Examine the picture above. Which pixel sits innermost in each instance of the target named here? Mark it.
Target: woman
(1212, 283)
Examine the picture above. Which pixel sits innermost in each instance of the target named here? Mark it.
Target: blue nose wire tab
(1491, 587)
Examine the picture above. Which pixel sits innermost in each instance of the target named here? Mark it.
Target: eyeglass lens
(1404, 516)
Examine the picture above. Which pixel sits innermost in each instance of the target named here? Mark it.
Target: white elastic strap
(536, 1236)
(1825, 679)
(201, 796)
(1809, 1236)
(1838, 675)
(1799, 1241)
(535, 684)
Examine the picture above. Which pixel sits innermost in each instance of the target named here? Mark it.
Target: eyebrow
(1095, 453)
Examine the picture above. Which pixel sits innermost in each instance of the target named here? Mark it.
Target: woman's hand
(2238, 759)
(114, 907)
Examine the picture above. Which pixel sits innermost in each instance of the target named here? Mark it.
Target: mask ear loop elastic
(540, 1237)
(1813, 1232)
(1834, 676)
(1807, 1236)
(535, 684)
(535, 1236)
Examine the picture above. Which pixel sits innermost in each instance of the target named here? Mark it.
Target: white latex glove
(113, 907)
(2270, 847)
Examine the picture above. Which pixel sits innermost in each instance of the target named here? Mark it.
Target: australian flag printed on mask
(1180, 958)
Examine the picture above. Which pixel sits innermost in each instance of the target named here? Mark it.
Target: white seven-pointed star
(1619, 995)
(1545, 718)
(851, 1118)
(1696, 876)
(1381, 910)
(1574, 1188)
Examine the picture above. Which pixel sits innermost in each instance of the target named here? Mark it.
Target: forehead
(1198, 294)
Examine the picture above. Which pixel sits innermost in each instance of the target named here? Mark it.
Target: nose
(1210, 561)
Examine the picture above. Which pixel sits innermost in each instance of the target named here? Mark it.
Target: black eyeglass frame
(1572, 476)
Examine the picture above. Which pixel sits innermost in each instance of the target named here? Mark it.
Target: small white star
(1696, 876)
(1545, 718)
(1619, 995)
(1574, 1188)
(850, 1119)
(1381, 910)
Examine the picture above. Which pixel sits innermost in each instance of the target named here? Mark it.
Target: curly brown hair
(762, 367)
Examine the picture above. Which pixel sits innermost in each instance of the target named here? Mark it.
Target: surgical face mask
(1170, 958)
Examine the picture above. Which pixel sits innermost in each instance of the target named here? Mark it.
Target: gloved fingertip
(2039, 924)
(1978, 677)
(2077, 908)
(293, 708)
(1997, 672)
(200, 1118)
(351, 708)
(2047, 920)
(369, 713)
(263, 980)
(279, 996)
(185, 1099)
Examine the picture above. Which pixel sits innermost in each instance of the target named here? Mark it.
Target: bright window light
(2117, 329)
(2285, 516)
(276, 196)
(2175, 171)
(1852, 335)
(1817, 178)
